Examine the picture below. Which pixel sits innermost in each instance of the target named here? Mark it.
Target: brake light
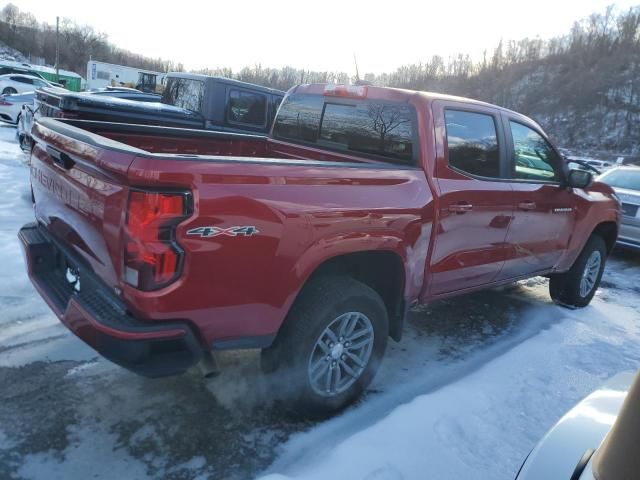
(353, 91)
(4, 103)
(152, 257)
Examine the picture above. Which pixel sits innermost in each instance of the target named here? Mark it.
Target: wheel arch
(381, 270)
(609, 232)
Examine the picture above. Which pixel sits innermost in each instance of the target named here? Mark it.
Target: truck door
(543, 208)
(475, 204)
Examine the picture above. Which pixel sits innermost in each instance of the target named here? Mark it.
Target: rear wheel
(331, 344)
(9, 91)
(577, 287)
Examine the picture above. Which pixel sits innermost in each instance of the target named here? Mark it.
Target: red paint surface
(244, 286)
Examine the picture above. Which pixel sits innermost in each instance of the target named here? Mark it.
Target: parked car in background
(626, 183)
(158, 246)
(5, 70)
(15, 83)
(599, 165)
(11, 106)
(124, 92)
(597, 439)
(188, 101)
(103, 94)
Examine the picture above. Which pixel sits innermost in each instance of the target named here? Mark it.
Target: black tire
(25, 143)
(9, 91)
(322, 302)
(565, 287)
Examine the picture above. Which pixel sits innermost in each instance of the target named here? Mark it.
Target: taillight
(152, 257)
(4, 103)
(352, 91)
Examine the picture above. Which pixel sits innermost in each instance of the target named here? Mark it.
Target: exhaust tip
(208, 365)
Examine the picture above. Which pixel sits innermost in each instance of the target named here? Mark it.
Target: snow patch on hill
(8, 53)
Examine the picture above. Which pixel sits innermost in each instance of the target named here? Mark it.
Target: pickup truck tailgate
(80, 191)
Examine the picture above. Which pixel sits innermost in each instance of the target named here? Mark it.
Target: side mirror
(579, 179)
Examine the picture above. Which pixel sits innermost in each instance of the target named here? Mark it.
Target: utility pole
(58, 49)
(357, 73)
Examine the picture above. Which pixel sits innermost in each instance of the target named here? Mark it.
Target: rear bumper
(97, 316)
(629, 235)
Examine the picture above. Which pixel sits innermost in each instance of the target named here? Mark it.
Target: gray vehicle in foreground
(626, 183)
(599, 439)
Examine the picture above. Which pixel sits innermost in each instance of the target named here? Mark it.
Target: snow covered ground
(470, 390)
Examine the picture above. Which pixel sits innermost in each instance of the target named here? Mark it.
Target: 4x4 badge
(211, 231)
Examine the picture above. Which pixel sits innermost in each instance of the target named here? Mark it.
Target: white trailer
(101, 74)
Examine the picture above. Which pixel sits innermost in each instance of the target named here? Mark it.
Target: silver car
(596, 440)
(626, 183)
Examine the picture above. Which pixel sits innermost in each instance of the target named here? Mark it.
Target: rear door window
(25, 80)
(533, 157)
(247, 108)
(472, 143)
(384, 130)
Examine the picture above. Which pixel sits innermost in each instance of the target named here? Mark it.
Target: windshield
(622, 178)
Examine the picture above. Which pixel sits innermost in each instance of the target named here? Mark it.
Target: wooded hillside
(583, 87)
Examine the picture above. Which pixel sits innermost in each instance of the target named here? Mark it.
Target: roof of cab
(401, 94)
(202, 77)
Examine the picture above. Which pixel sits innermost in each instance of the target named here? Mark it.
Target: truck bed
(171, 142)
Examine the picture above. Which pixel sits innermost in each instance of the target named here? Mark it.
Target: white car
(581, 162)
(11, 106)
(16, 83)
(596, 440)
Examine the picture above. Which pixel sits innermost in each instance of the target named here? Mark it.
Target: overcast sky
(319, 35)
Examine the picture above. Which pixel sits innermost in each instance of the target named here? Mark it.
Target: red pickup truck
(158, 246)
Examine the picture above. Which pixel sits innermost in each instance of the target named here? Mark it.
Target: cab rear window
(383, 130)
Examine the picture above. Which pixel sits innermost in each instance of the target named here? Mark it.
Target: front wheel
(332, 343)
(577, 287)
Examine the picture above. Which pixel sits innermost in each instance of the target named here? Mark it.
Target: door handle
(61, 159)
(460, 207)
(527, 205)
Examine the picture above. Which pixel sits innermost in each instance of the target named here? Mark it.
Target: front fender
(595, 207)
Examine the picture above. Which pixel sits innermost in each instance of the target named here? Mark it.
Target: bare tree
(385, 119)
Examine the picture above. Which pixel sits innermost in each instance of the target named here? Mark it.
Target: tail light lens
(152, 257)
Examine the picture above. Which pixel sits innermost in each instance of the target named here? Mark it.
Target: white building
(101, 74)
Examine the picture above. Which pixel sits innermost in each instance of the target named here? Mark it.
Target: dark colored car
(158, 246)
(30, 111)
(188, 101)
